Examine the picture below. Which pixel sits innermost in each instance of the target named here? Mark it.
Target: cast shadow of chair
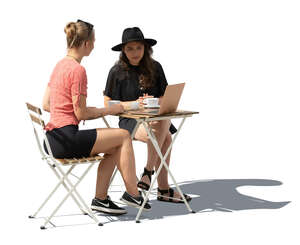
(209, 196)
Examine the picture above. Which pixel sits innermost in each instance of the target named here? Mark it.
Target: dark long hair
(146, 78)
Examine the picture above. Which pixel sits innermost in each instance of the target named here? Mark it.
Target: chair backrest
(38, 125)
(35, 114)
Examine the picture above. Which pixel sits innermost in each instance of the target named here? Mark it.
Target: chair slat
(34, 108)
(36, 120)
(80, 160)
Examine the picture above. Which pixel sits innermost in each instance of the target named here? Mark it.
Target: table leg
(163, 163)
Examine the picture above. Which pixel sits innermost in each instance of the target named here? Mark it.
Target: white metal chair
(57, 166)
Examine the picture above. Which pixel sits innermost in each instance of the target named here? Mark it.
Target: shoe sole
(108, 211)
(161, 199)
(134, 204)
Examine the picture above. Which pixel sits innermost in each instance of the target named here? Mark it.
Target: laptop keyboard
(151, 110)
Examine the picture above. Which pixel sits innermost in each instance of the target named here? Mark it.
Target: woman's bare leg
(162, 179)
(161, 130)
(154, 160)
(104, 173)
(117, 143)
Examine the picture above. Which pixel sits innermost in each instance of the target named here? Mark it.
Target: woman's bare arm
(46, 100)
(83, 112)
(125, 104)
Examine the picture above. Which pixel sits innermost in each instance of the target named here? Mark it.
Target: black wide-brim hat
(131, 35)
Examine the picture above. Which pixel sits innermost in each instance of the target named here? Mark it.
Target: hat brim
(150, 41)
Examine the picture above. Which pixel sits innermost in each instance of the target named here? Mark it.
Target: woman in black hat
(133, 78)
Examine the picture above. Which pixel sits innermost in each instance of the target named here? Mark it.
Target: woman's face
(134, 52)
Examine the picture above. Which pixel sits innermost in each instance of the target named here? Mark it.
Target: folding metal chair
(57, 166)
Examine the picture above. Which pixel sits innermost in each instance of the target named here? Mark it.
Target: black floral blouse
(124, 85)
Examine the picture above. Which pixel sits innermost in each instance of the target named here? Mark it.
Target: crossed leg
(164, 139)
(117, 146)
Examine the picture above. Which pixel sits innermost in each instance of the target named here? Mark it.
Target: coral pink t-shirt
(68, 79)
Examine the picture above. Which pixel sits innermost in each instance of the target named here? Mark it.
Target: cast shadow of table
(209, 196)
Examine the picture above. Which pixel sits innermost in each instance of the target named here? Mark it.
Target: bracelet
(134, 105)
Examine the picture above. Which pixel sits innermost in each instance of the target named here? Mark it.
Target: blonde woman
(65, 99)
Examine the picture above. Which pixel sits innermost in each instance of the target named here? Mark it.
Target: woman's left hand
(140, 101)
(145, 96)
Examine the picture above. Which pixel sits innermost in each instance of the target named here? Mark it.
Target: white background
(240, 61)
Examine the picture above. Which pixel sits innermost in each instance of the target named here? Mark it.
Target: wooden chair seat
(67, 161)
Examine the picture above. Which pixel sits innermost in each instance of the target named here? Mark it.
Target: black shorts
(69, 142)
(129, 124)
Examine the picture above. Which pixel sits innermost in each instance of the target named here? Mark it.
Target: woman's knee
(111, 151)
(168, 139)
(166, 124)
(160, 125)
(124, 134)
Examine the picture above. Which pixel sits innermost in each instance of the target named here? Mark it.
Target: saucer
(152, 107)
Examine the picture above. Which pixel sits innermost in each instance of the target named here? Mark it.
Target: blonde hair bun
(70, 30)
(77, 33)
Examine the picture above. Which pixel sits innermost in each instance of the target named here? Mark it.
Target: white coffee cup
(113, 102)
(151, 102)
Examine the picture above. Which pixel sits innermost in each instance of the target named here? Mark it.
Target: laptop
(169, 102)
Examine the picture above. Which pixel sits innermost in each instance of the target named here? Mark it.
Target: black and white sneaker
(107, 206)
(134, 201)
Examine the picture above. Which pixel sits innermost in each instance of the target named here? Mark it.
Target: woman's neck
(136, 65)
(74, 55)
(133, 63)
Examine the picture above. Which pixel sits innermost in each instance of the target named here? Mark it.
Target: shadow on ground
(208, 196)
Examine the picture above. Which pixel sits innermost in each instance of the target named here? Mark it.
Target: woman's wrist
(126, 105)
(94, 113)
(134, 105)
(104, 111)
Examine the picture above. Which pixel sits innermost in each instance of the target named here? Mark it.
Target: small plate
(152, 107)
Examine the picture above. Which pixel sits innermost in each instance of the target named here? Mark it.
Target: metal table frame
(145, 120)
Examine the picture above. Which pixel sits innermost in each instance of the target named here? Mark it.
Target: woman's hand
(140, 100)
(145, 96)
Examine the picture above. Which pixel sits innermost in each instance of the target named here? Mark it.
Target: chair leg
(44, 203)
(67, 188)
(54, 190)
(72, 189)
(61, 181)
